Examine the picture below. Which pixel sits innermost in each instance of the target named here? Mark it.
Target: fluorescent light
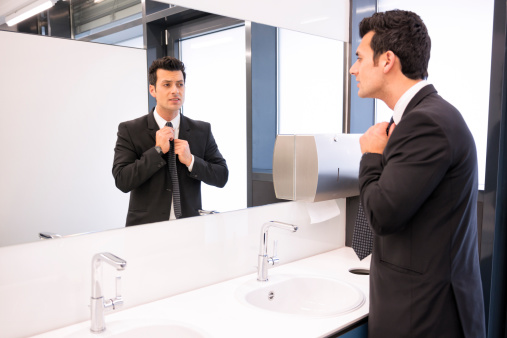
(28, 11)
(313, 20)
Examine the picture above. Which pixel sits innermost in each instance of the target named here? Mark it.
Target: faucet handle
(118, 287)
(274, 259)
(118, 300)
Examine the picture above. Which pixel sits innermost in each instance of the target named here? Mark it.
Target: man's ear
(152, 90)
(390, 60)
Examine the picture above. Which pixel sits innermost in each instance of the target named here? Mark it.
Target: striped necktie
(362, 237)
(174, 177)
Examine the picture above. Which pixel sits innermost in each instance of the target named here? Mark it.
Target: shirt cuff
(191, 166)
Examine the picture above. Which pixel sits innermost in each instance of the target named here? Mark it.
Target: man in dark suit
(418, 188)
(140, 160)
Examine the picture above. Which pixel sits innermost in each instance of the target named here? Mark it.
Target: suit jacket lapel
(184, 128)
(152, 124)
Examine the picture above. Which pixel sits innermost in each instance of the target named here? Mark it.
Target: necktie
(389, 126)
(174, 177)
(362, 237)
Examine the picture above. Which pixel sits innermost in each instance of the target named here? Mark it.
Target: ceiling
(85, 12)
(10, 6)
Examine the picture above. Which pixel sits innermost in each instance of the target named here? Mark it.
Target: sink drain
(271, 295)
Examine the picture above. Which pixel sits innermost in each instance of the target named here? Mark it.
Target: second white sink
(302, 295)
(134, 328)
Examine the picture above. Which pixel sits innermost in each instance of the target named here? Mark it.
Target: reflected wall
(62, 101)
(216, 93)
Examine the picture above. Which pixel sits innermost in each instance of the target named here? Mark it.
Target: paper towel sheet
(322, 211)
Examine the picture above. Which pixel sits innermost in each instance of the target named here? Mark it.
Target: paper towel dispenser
(316, 168)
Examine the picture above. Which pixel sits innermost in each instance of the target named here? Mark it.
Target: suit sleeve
(416, 159)
(130, 167)
(212, 168)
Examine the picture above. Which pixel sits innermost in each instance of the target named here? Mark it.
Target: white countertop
(215, 310)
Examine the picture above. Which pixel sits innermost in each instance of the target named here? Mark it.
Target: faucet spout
(98, 305)
(264, 260)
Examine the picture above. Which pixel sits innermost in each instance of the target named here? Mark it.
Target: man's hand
(182, 149)
(162, 138)
(375, 138)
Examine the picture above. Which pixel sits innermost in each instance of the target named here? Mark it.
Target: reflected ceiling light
(313, 20)
(28, 11)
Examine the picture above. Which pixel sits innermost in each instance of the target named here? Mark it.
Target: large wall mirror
(63, 99)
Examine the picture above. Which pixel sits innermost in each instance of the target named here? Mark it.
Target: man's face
(368, 76)
(169, 90)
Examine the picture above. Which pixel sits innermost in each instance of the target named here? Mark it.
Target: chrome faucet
(98, 305)
(264, 260)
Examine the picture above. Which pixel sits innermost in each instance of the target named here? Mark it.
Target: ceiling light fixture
(28, 11)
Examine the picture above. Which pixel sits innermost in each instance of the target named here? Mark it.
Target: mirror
(57, 172)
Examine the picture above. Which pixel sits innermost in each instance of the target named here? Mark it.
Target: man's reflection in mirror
(161, 158)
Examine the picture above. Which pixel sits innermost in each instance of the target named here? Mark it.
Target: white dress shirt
(402, 103)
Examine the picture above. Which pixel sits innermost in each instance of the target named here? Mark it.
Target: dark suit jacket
(420, 198)
(140, 170)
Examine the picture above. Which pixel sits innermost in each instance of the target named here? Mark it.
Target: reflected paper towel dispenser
(316, 168)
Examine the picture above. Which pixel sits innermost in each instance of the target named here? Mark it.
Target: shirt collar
(404, 100)
(161, 122)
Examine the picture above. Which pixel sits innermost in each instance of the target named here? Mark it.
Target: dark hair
(403, 33)
(167, 63)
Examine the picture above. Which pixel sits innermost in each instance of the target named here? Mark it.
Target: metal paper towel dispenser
(316, 168)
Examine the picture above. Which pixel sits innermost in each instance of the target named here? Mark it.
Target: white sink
(135, 328)
(302, 295)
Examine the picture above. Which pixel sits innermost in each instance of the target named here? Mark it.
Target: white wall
(61, 102)
(47, 284)
(327, 18)
(460, 63)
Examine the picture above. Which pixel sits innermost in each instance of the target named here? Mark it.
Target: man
(418, 188)
(141, 154)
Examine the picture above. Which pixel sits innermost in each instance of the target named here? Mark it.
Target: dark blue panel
(359, 332)
(498, 305)
(498, 298)
(263, 96)
(493, 235)
(362, 111)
